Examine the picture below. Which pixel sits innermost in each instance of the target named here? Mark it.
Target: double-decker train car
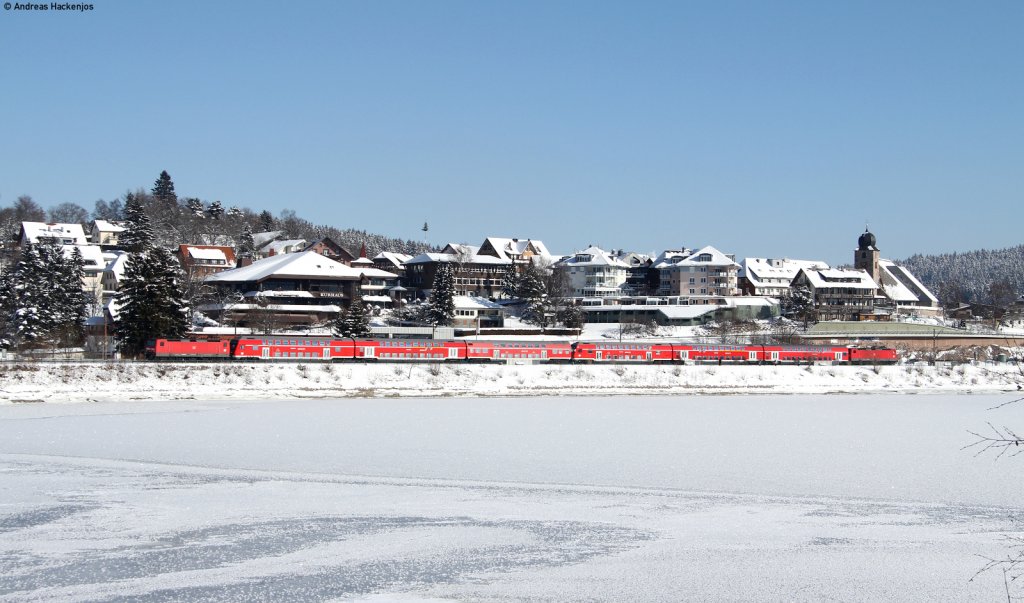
(623, 351)
(296, 348)
(505, 351)
(292, 348)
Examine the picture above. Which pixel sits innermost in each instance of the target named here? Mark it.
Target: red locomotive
(298, 348)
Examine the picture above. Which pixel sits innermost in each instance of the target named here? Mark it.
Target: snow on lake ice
(752, 498)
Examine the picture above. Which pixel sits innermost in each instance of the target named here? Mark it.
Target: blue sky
(762, 128)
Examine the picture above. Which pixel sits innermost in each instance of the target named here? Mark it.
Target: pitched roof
(428, 258)
(66, 233)
(107, 226)
(394, 258)
(594, 256)
(505, 247)
(755, 269)
(715, 258)
(902, 285)
(835, 277)
(307, 264)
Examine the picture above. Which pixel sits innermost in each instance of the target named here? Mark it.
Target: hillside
(985, 275)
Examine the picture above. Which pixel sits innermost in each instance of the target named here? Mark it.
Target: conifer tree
(151, 299)
(352, 322)
(442, 297)
(216, 210)
(265, 222)
(30, 318)
(163, 189)
(246, 245)
(571, 315)
(138, 234)
(510, 281)
(71, 300)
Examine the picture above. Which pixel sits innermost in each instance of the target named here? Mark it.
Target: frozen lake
(752, 498)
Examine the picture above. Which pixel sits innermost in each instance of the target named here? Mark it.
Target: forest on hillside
(988, 276)
(190, 220)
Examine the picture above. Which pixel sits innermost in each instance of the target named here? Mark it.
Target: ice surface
(751, 498)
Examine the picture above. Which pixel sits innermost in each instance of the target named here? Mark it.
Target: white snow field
(865, 497)
(93, 382)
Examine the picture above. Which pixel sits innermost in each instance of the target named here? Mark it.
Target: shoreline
(86, 382)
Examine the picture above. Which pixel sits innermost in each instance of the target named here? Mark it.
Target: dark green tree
(245, 245)
(510, 281)
(216, 210)
(571, 315)
(138, 234)
(163, 189)
(352, 322)
(151, 303)
(442, 297)
(265, 222)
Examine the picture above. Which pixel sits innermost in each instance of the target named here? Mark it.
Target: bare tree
(68, 213)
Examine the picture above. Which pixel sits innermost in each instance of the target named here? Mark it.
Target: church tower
(866, 256)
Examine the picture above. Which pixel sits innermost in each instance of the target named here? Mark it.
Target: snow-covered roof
(707, 256)
(92, 255)
(428, 258)
(207, 253)
(456, 248)
(903, 286)
(362, 261)
(259, 239)
(684, 312)
(279, 246)
(394, 258)
(835, 277)
(379, 299)
(116, 266)
(106, 226)
(517, 247)
(303, 264)
(756, 269)
(670, 256)
(469, 302)
(751, 301)
(65, 233)
(594, 256)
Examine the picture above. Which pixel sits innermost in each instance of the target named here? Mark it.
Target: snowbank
(42, 382)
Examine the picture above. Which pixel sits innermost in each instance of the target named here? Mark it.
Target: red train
(293, 347)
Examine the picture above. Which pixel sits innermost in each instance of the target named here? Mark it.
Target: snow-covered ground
(147, 381)
(652, 498)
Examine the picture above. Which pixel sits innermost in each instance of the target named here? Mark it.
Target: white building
(706, 272)
(594, 272)
(770, 276)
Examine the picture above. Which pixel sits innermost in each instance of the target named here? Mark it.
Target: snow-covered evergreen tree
(195, 207)
(31, 318)
(534, 291)
(151, 297)
(510, 281)
(442, 297)
(71, 300)
(138, 234)
(571, 315)
(352, 322)
(216, 210)
(246, 245)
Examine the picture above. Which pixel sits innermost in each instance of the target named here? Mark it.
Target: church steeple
(866, 256)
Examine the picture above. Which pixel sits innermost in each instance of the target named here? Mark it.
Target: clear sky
(762, 128)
